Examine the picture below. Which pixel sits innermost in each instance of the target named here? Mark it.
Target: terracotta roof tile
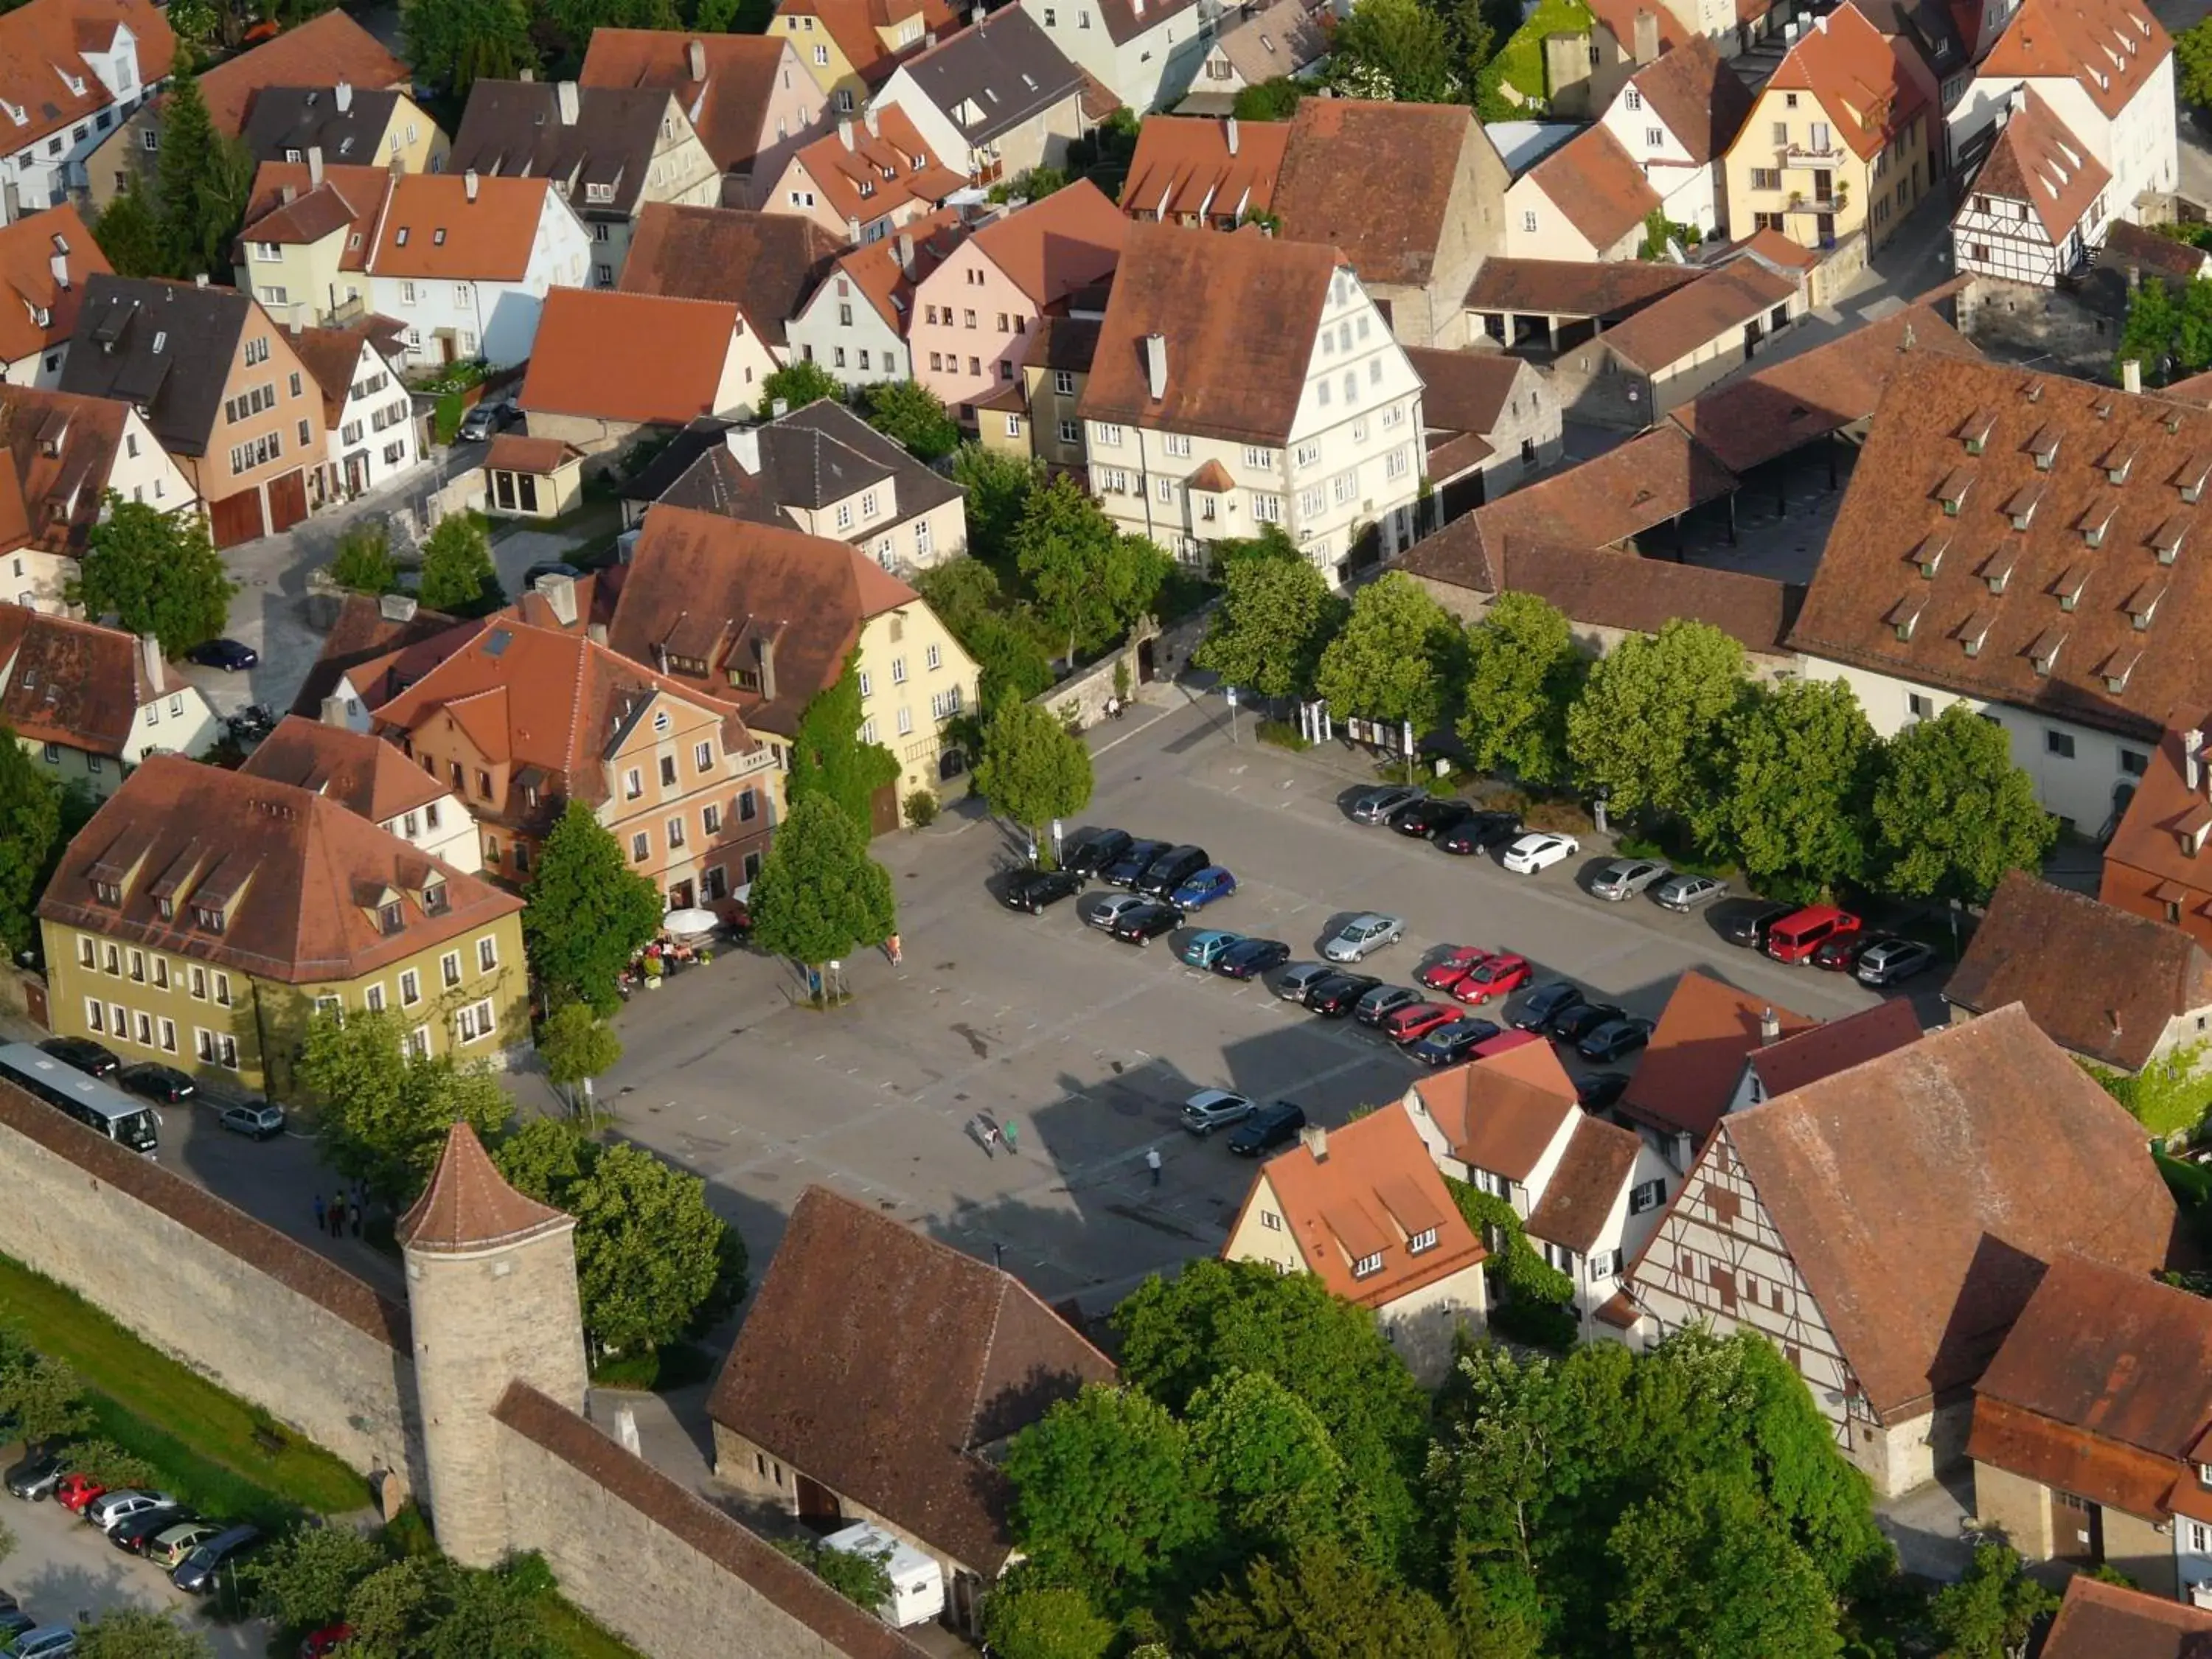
(1716, 306)
(883, 1363)
(45, 37)
(1574, 287)
(1183, 165)
(1809, 1056)
(1862, 79)
(364, 633)
(320, 52)
(863, 174)
(364, 774)
(1596, 586)
(28, 249)
(431, 227)
(764, 264)
(1595, 182)
(1499, 1114)
(888, 285)
(63, 446)
(2098, 1620)
(727, 109)
(1374, 179)
(514, 451)
(1691, 87)
(469, 1205)
(1695, 1059)
(2110, 47)
(2104, 1471)
(629, 357)
(331, 357)
(1465, 390)
(853, 24)
(2037, 160)
(1052, 247)
(1593, 1174)
(348, 198)
(74, 683)
(2132, 246)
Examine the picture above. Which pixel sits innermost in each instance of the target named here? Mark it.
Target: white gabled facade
(460, 316)
(1153, 67)
(2002, 236)
(377, 438)
(1688, 191)
(43, 173)
(1600, 1271)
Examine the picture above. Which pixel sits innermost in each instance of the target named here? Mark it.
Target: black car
(1268, 1129)
(1600, 1090)
(1450, 1044)
(1144, 923)
(1088, 852)
(1336, 995)
(548, 567)
(1250, 959)
(1614, 1038)
(141, 1529)
(1573, 1024)
(1384, 1000)
(1546, 1004)
(84, 1053)
(1477, 832)
(14, 1621)
(1430, 818)
(34, 1477)
(230, 655)
(1033, 889)
(1171, 869)
(1745, 921)
(1136, 858)
(163, 1083)
(195, 1574)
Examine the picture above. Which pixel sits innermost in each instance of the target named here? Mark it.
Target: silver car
(1683, 892)
(1376, 805)
(1215, 1108)
(110, 1510)
(1111, 910)
(1298, 979)
(1624, 878)
(1371, 930)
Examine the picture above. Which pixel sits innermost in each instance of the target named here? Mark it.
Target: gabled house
(309, 230)
(2156, 864)
(1676, 117)
(220, 387)
(204, 917)
(864, 181)
(464, 261)
(1204, 171)
(368, 629)
(971, 332)
(1284, 400)
(1693, 1069)
(829, 1408)
(994, 101)
(1041, 418)
(89, 703)
(1146, 52)
(1775, 1068)
(65, 452)
(2092, 1434)
(2119, 989)
(1363, 1210)
(766, 264)
(1679, 346)
(608, 151)
(1585, 68)
(2037, 210)
(352, 127)
(606, 365)
(368, 418)
(855, 322)
(1413, 197)
(1492, 421)
(373, 780)
(75, 72)
(1891, 1310)
(1588, 200)
(851, 48)
(1281, 40)
(2098, 1619)
(1599, 1207)
(43, 267)
(746, 97)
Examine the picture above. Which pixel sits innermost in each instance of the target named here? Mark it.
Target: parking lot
(1087, 1046)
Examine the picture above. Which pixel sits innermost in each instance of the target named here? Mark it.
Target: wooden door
(288, 499)
(235, 518)
(818, 1505)
(883, 810)
(2077, 1529)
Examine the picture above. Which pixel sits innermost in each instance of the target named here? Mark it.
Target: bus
(102, 1109)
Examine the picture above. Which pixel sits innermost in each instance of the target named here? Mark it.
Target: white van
(917, 1582)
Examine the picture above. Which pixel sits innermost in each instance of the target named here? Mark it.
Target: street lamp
(1232, 714)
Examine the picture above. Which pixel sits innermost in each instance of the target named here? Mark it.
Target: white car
(1539, 851)
(1368, 930)
(112, 1509)
(1111, 910)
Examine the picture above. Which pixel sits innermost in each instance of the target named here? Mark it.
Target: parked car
(1572, 1023)
(82, 1052)
(1477, 833)
(1293, 985)
(1457, 961)
(1624, 878)
(1495, 977)
(232, 656)
(1171, 870)
(1796, 936)
(1339, 993)
(1411, 1024)
(1088, 852)
(1681, 892)
(1448, 1044)
(1205, 948)
(1890, 960)
(1614, 1038)
(1196, 891)
(1432, 818)
(492, 415)
(138, 1533)
(165, 1083)
(1108, 911)
(1145, 923)
(256, 1120)
(1382, 1002)
(1747, 921)
(1136, 858)
(1376, 805)
(45, 1642)
(1249, 958)
(1546, 1003)
(77, 1491)
(197, 1573)
(549, 567)
(1600, 1090)
(1216, 1109)
(36, 1476)
(1369, 931)
(322, 1644)
(171, 1547)
(1539, 851)
(1033, 891)
(14, 1621)
(1840, 952)
(1267, 1129)
(110, 1510)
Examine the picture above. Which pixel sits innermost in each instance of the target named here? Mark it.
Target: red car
(325, 1641)
(76, 1490)
(1501, 975)
(1411, 1024)
(1457, 961)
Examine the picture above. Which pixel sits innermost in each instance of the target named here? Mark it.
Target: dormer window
(2097, 520)
(2167, 543)
(1929, 555)
(2044, 446)
(434, 899)
(1974, 630)
(1997, 570)
(745, 679)
(1905, 616)
(164, 909)
(208, 917)
(1424, 1240)
(2021, 509)
(2119, 464)
(391, 917)
(2043, 655)
(1367, 1266)
(2204, 1476)
(2068, 588)
(108, 893)
(2190, 478)
(2117, 668)
(2142, 605)
(1951, 492)
(1975, 434)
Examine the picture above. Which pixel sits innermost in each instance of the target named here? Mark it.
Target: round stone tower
(491, 1290)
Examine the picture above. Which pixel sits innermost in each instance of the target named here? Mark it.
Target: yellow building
(1836, 144)
(203, 918)
(309, 228)
(851, 46)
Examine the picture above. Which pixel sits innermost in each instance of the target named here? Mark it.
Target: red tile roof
(320, 52)
(364, 774)
(42, 40)
(1500, 1113)
(764, 264)
(1182, 165)
(63, 446)
(629, 357)
(887, 284)
(364, 632)
(333, 357)
(1465, 390)
(2098, 1620)
(1691, 88)
(2164, 810)
(1376, 181)
(513, 452)
(1592, 1176)
(1862, 79)
(348, 198)
(469, 1205)
(1695, 1059)
(853, 25)
(44, 311)
(432, 228)
(1052, 247)
(1597, 185)
(1809, 1056)
(1716, 306)
(863, 174)
(727, 109)
(2112, 48)
(2037, 160)
(75, 683)
(1574, 287)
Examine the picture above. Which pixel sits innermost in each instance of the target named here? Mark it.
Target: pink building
(972, 315)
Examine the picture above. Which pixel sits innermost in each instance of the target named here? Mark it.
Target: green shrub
(1283, 734)
(921, 807)
(445, 418)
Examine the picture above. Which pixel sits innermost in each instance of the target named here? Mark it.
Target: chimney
(566, 96)
(345, 97)
(1229, 134)
(1156, 365)
(150, 658)
(2131, 376)
(845, 130)
(764, 650)
(315, 165)
(1822, 22)
(905, 248)
(200, 280)
(334, 710)
(57, 262)
(469, 182)
(744, 444)
(1770, 1028)
(396, 607)
(694, 56)
(528, 73)
(1315, 1140)
(559, 593)
(874, 120)
(778, 408)
(1647, 38)
(853, 231)
(287, 194)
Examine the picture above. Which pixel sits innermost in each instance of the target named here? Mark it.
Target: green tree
(455, 43)
(384, 1112)
(1271, 100)
(587, 912)
(1396, 657)
(1026, 1618)
(828, 757)
(1988, 1614)
(1706, 1573)
(136, 1633)
(131, 235)
(1951, 812)
(862, 1576)
(43, 1397)
(112, 1466)
(2192, 335)
(1474, 37)
(2148, 335)
(908, 412)
(1275, 617)
(204, 181)
(797, 385)
(7, 1541)
(362, 563)
(389, 1608)
(1032, 770)
(1646, 724)
(545, 1158)
(30, 823)
(1090, 581)
(457, 577)
(156, 573)
(1395, 50)
(1322, 1603)
(576, 1044)
(653, 1258)
(1011, 660)
(819, 895)
(1793, 787)
(303, 1579)
(1269, 1460)
(1523, 673)
(2192, 64)
(999, 487)
(483, 1615)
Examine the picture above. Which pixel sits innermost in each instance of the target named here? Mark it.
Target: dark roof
(1069, 342)
(1715, 306)
(2132, 246)
(765, 264)
(1125, 19)
(1006, 67)
(2098, 1620)
(884, 1364)
(1375, 180)
(346, 122)
(676, 457)
(1592, 1175)
(513, 129)
(166, 347)
(1807, 1056)
(1701, 98)
(810, 458)
(1465, 390)
(326, 49)
(1574, 287)
(363, 632)
(1598, 586)
(728, 109)
(2099, 981)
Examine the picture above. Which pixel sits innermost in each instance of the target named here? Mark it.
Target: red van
(1795, 938)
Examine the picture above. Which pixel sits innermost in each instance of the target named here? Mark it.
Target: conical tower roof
(469, 1205)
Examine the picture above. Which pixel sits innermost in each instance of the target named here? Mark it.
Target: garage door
(288, 499)
(235, 518)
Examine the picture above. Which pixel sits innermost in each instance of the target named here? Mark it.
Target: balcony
(1795, 154)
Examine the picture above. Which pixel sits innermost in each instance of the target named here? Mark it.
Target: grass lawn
(574, 1636)
(200, 1437)
(1521, 61)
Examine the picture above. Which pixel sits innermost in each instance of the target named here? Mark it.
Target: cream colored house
(69, 452)
(90, 703)
(373, 780)
(304, 251)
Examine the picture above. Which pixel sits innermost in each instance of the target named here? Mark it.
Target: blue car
(1202, 888)
(1204, 950)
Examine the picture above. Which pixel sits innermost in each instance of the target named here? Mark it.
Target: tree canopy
(453, 43)
(383, 1111)
(797, 385)
(203, 181)
(1090, 581)
(1275, 617)
(30, 824)
(457, 577)
(1396, 50)
(1395, 659)
(827, 755)
(1012, 660)
(1523, 673)
(1953, 813)
(587, 912)
(156, 573)
(1032, 770)
(1792, 786)
(1649, 717)
(819, 895)
(999, 487)
(909, 413)
(2192, 64)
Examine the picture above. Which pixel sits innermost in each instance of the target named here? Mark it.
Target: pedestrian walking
(318, 1213)
(1008, 1131)
(1152, 1163)
(892, 950)
(337, 1218)
(355, 1217)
